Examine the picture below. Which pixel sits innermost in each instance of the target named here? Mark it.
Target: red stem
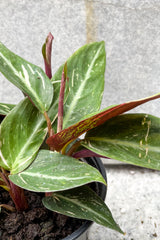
(50, 129)
(49, 124)
(16, 193)
(18, 197)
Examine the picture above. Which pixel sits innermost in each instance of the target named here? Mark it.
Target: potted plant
(40, 148)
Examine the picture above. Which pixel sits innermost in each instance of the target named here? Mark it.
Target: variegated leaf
(27, 77)
(5, 108)
(52, 171)
(22, 133)
(85, 70)
(59, 140)
(83, 203)
(130, 138)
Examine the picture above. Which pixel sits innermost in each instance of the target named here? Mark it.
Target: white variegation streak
(4, 160)
(82, 206)
(45, 176)
(5, 107)
(24, 149)
(1, 155)
(22, 179)
(72, 79)
(21, 158)
(22, 152)
(26, 76)
(30, 68)
(80, 89)
(25, 79)
(117, 143)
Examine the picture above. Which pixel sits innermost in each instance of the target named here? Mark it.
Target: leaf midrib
(123, 143)
(82, 206)
(46, 176)
(23, 149)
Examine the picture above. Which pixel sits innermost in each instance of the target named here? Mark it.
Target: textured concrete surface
(131, 31)
(129, 28)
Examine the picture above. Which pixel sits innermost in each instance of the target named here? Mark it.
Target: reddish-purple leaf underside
(59, 140)
(84, 153)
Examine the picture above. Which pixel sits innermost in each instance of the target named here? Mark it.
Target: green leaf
(52, 171)
(29, 78)
(83, 203)
(22, 133)
(59, 140)
(131, 138)
(6, 108)
(85, 69)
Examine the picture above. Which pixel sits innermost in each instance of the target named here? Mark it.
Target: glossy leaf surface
(5, 108)
(22, 133)
(83, 203)
(85, 69)
(27, 77)
(131, 138)
(59, 140)
(53, 171)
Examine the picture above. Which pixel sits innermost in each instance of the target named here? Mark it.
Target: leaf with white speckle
(52, 171)
(6, 108)
(85, 69)
(22, 132)
(27, 77)
(130, 138)
(83, 203)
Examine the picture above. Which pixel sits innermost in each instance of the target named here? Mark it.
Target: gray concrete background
(131, 30)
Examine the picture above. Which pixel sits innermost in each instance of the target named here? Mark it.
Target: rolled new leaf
(46, 52)
(22, 132)
(27, 77)
(83, 203)
(52, 171)
(130, 138)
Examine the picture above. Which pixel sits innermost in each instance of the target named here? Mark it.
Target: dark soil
(37, 223)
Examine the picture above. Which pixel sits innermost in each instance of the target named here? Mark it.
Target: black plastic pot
(82, 232)
(1, 118)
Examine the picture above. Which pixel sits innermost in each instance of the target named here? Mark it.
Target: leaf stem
(73, 148)
(16, 193)
(61, 99)
(46, 52)
(18, 197)
(49, 125)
